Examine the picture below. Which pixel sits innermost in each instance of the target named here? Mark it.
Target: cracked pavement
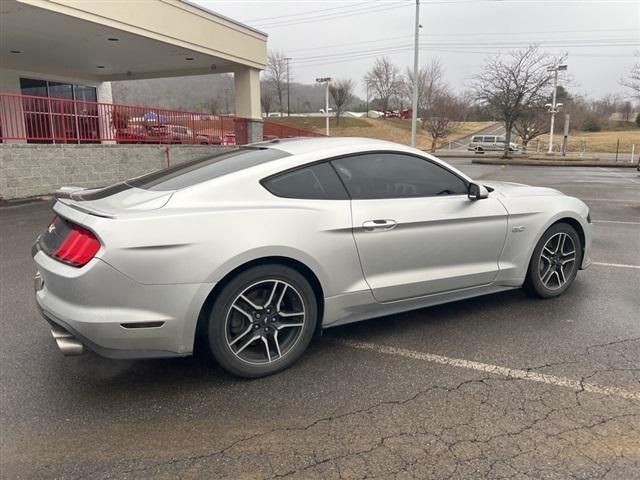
(343, 412)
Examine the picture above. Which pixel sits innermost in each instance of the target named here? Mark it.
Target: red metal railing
(56, 120)
(278, 130)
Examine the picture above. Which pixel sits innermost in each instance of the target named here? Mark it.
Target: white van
(489, 143)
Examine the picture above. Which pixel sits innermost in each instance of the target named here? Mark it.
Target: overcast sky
(342, 38)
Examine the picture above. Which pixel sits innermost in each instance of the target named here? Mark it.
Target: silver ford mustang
(253, 250)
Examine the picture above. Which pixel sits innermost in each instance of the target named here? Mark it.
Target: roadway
(493, 387)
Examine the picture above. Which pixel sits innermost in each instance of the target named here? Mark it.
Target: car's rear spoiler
(69, 202)
(67, 192)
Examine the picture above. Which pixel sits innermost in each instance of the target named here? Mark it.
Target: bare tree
(633, 80)
(531, 124)
(384, 78)
(437, 121)
(431, 85)
(267, 97)
(605, 106)
(510, 87)
(627, 108)
(276, 74)
(213, 105)
(342, 92)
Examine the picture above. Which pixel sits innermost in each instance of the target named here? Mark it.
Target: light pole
(414, 102)
(288, 109)
(553, 106)
(326, 81)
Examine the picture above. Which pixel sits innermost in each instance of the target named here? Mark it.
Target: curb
(554, 163)
(515, 157)
(24, 202)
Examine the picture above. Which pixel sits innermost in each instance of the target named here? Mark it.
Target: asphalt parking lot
(502, 386)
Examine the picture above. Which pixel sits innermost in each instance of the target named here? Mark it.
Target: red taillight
(78, 247)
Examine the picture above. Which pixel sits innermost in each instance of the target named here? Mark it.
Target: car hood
(113, 201)
(510, 189)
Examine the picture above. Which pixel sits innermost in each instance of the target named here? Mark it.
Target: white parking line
(620, 175)
(616, 265)
(576, 385)
(629, 201)
(616, 221)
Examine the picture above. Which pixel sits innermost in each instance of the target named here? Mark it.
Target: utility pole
(368, 96)
(553, 106)
(326, 81)
(288, 109)
(414, 102)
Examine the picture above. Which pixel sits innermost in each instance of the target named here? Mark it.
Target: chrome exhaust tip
(68, 345)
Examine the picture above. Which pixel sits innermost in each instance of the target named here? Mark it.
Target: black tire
(220, 322)
(534, 283)
(479, 150)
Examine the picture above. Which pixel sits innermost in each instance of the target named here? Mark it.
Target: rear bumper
(114, 316)
(61, 329)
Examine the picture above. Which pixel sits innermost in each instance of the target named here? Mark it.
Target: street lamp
(414, 98)
(553, 106)
(326, 81)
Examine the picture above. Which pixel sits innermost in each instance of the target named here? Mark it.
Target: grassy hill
(392, 129)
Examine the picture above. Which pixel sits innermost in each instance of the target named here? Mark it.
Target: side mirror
(477, 192)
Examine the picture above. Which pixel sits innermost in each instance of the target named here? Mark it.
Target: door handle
(379, 225)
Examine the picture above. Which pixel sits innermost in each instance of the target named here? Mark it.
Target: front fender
(526, 226)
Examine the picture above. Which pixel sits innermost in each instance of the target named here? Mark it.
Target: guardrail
(55, 120)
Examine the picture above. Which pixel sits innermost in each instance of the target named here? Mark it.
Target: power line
(301, 14)
(333, 16)
(324, 47)
(464, 34)
(467, 48)
(443, 50)
(601, 42)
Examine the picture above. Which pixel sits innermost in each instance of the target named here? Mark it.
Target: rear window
(203, 169)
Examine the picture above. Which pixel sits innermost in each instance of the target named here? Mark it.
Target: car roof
(303, 145)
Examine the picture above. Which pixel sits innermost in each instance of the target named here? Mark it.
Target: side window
(477, 139)
(395, 175)
(315, 182)
(489, 139)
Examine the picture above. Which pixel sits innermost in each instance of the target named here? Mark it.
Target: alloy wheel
(557, 261)
(265, 321)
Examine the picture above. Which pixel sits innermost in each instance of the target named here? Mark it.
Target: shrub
(638, 120)
(591, 124)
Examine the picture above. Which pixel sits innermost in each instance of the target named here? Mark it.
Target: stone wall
(29, 170)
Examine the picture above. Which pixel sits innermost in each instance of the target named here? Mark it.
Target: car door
(416, 230)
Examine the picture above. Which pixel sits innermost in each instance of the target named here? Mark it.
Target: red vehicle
(132, 134)
(180, 134)
(406, 113)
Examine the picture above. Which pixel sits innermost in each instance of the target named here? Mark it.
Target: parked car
(132, 134)
(164, 133)
(252, 250)
(489, 143)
